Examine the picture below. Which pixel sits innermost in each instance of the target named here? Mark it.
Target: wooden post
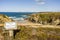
(10, 34)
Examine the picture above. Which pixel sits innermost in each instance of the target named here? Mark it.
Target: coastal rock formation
(4, 18)
(52, 18)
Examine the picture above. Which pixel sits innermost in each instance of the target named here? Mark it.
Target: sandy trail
(37, 25)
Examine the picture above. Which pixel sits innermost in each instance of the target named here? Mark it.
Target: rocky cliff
(52, 18)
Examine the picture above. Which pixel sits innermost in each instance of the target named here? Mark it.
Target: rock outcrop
(52, 18)
(4, 18)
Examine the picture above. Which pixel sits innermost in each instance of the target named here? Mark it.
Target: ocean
(17, 15)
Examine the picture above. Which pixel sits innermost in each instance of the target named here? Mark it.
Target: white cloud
(40, 1)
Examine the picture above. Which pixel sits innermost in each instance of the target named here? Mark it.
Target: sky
(29, 5)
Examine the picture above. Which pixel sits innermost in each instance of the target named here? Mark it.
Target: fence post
(10, 34)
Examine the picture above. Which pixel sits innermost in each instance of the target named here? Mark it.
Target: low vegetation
(29, 33)
(4, 18)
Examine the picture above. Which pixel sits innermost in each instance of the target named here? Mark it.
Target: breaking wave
(17, 18)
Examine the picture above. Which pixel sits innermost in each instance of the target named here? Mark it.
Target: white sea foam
(17, 18)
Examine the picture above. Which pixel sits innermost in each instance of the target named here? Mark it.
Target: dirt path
(37, 25)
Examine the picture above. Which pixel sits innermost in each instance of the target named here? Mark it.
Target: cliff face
(52, 18)
(4, 18)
